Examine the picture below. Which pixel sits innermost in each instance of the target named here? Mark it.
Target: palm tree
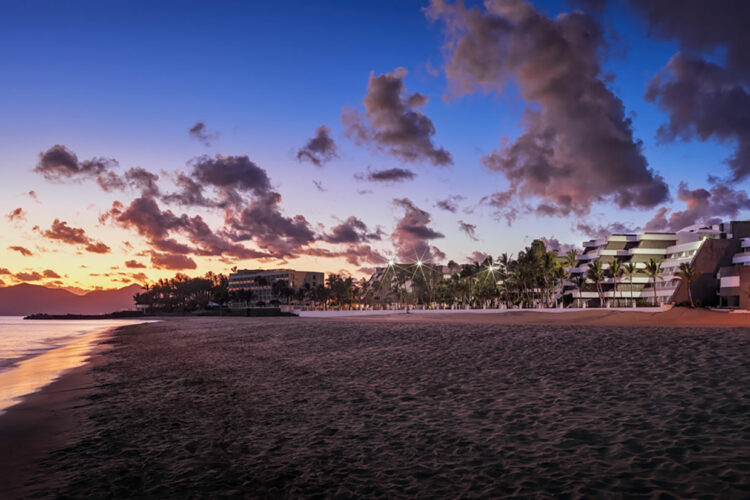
(630, 269)
(688, 274)
(654, 272)
(596, 274)
(616, 270)
(580, 282)
(571, 258)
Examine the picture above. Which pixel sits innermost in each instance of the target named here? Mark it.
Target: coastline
(46, 420)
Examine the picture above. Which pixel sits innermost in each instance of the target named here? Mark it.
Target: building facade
(711, 249)
(261, 282)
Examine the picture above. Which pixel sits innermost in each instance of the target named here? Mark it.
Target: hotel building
(261, 281)
(713, 250)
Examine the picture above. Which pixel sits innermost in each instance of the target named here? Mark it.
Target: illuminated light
(390, 262)
(419, 262)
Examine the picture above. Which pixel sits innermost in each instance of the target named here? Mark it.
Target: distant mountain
(23, 299)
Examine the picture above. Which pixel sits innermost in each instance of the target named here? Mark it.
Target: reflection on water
(32, 374)
(35, 353)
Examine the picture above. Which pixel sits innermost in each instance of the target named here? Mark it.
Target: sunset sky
(138, 139)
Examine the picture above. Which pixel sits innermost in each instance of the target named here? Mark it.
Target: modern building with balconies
(260, 281)
(711, 249)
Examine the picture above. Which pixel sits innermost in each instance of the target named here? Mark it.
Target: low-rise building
(261, 282)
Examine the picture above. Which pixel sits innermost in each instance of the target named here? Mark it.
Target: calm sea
(35, 353)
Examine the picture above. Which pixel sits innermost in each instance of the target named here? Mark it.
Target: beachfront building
(261, 282)
(709, 248)
(734, 279)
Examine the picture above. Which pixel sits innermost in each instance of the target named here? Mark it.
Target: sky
(139, 139)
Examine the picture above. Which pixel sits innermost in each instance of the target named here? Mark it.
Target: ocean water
(34, 353)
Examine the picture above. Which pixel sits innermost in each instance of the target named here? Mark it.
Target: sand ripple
(303, 408)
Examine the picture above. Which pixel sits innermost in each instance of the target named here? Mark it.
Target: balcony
(741, 258)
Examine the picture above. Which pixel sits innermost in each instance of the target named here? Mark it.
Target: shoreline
(46, 420)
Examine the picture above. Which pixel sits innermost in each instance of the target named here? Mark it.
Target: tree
(616, 270)
(654, 272)
(687, 273)
(630, 269)
(596, 274)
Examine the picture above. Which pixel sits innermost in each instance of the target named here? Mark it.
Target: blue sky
(127, 80)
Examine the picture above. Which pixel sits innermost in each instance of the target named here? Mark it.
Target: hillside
(23, 299)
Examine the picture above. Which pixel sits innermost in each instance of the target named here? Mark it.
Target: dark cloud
(477, 256)
(147, 219)
(263, 223)
(352, 230)
(33, 276)
(578, 147)
(598, 232)
(200, 132)
(16, 214)
(134, 264)
(60, 231)
(706, 101)
(450, 204)
(704, 98)
(319, 186)
(554, 245)
(703, 206)
(502, 202)
(412, 235)
(60, 163)
(468, 229)
(320, 149)
(33, 196)
(386, 175)
(233, 176)
(22, 250)
(189, 193)
(49, 273)
(392, 123)
(172, 262)
(4, 271)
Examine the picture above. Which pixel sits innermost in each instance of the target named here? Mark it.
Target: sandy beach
(413, 406)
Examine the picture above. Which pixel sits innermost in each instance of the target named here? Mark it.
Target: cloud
(147, 219)
(392, 122)
(232, 176)
(578, 146)
(172, 262)
(703, 206)
(554, 245)
(468, 229)
(704, 98)
(49, 273)
(386, 175)
(352, 230)
(598, 232)
(33, 276)
(60, 231)
(22, 250)
(201, 133)
(33, 196)
(450, 204)
(706, 101)
(16, 214)
(263, 223)
(412, 235)
(4, 271)
(190, 193)
(134, 264)
(60, 163)
(477, 256)
(320, 149)
(319, 186)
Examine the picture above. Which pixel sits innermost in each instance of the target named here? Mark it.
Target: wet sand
(277, 407)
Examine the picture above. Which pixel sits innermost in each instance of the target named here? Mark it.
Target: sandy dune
(286, 407)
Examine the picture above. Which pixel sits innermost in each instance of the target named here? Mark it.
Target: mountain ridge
(26, 298)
